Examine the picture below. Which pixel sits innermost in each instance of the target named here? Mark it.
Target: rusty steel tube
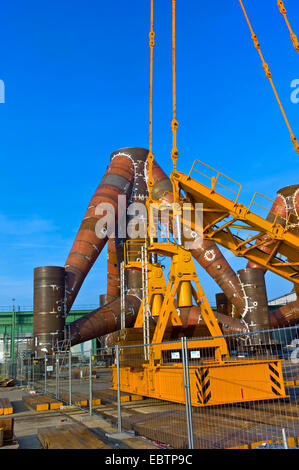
(118, 180)
(103, 320)
(107, 318)
(223, 305)
(133, 279)
(48, 308)
(286, 205)
(113, 277)
(288, 315)
(229, 325)
(256, 314)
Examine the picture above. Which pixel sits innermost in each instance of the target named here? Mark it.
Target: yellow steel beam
(217, 208)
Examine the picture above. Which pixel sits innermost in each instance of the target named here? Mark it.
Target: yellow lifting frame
(182, 270)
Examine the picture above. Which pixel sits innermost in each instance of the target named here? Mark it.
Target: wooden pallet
(42, 403)
(69, 436)
(5, 407)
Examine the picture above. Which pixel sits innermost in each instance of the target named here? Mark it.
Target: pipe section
(113, 273)
(256, 314)
(286, 205)
(103, 320)
(48, 308)
(223, 305)
(117, 181)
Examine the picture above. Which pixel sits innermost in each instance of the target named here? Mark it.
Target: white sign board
(195, 354)
(175, 355)
(49, 368)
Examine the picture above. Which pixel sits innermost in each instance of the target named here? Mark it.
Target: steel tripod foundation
(211, 383)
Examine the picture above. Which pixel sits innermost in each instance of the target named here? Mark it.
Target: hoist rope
(174, 123)
(269, 76)
(150, 158)
(283, 11)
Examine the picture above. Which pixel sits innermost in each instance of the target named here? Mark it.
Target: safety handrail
(270, 211)
(214, 180)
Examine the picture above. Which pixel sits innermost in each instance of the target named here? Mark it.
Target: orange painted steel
(211, 383)
(224, 218)
(217, 379)
(205, 252)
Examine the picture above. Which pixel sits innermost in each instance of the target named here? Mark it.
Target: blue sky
(76, 78)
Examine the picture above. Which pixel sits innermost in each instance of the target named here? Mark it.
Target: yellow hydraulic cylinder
(157, 304)
(185, 294)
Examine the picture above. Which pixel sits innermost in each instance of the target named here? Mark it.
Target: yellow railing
(214, 179)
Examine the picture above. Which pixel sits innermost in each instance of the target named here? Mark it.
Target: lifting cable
(174, 123)
(150, 158)
(269, 76)
(283, 11)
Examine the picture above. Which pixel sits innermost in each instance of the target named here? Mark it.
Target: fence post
(28, 371)
(119, 426)
(70, 377)
(46, 360)
(187, 393)
(57, 375)
(21, 372)
(285, 441)
(32, 362)
(90, 382)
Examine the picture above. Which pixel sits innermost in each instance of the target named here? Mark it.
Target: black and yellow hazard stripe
(203, 386)
(275, 379)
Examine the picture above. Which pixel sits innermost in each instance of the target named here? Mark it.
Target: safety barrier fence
(182, 395)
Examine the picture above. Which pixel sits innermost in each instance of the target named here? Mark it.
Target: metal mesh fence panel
(152, 397)
(248, 400)
(230, 392)
(101, 382)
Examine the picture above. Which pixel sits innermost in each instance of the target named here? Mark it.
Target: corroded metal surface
(113, 276)
(286, 205)
(118, 180)
(285, 208)
(256, 314)
(48, 310)
(287, 315)
(223, 305)
(103, 320)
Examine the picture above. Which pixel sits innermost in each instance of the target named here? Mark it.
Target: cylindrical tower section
(49, 308)
(256, 313)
